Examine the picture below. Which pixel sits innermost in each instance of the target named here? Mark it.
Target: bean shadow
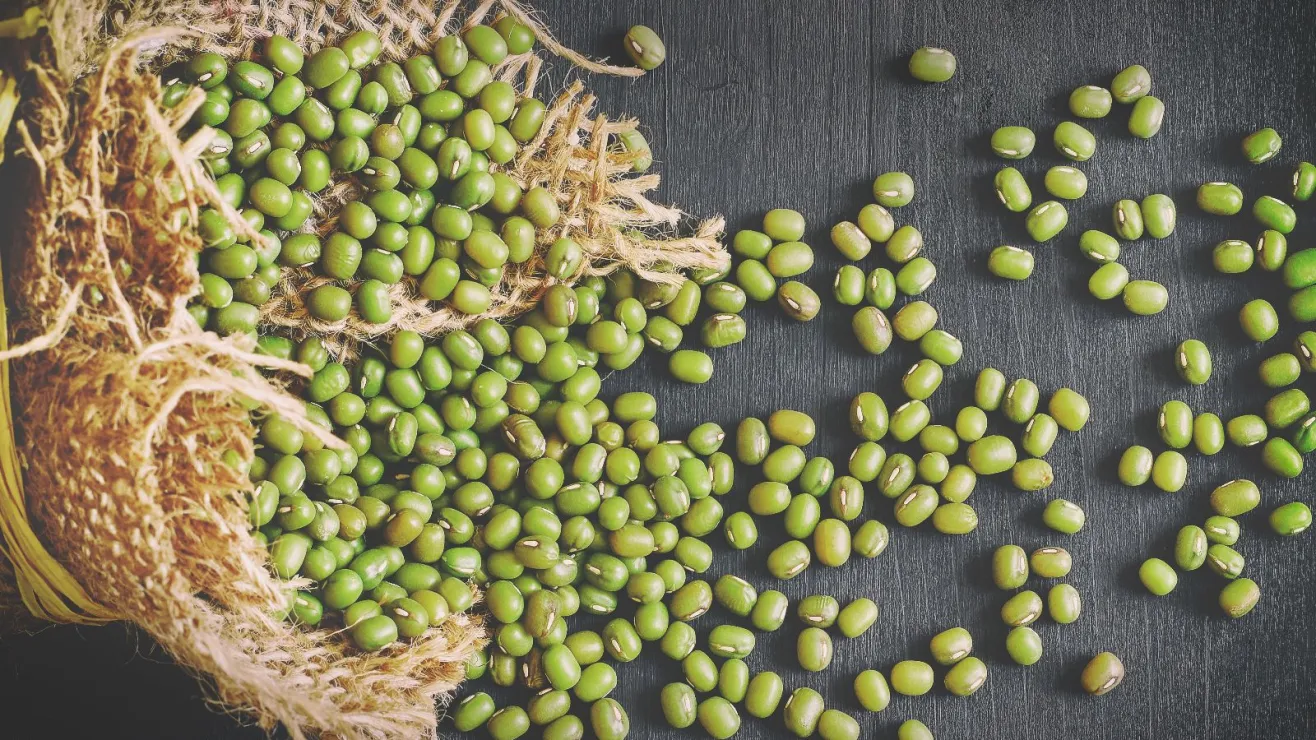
(1160, 364)
(896, 67)
(1071, 676)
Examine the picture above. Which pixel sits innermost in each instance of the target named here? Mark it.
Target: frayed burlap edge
(128, 413)
(130, 416)
(605, 208)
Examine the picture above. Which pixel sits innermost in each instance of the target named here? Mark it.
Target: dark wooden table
(800, 105)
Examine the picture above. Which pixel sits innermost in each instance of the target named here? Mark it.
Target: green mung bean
(1069, 408)
(1011, 263)
(876, 222)
(1261, 145)
(971, 421)
(894, 189)
(1066, 182)
(1235, 498)
(872, 329)
(1246, 430)
(1192, 360)
(1064, 604)
(1024, 645)
(1169, 471)
(1050, 562)
(991, 455)
(645, 47)
(1020, 400)
(1190, 546)
(951, 646)
(941, 347)
(1291, 519)
(813, 649)
(848, 286)
(904, 245)
(1009, 567)
(1222, 530)
(1239, 597)
(1074, 141)
(1220, 198)
(1147, 117)
(1145, 297)
(678, 703)
(1273, 213)
(966, 677)
(1102, 674)
(914, 320)
(1304, 181)
(763, 694)
(1304, 346)
(933, 467)
(880, 288)
(911, 678)
(871, 539)
(1158, 215)
(1304, 435)
(1224, 561)
(1022, 609)
(1272, 251)
(718, 717)
(789, 259)
(1157, 576)
(857, 617)
(1013, 142)
(1280, 457)
(1127, 218)
(784, 225)
(1108, 281)
(1208, 433)
(1099, 246)
(799, 301)
(1012, 190)
(1032, 475)
(958, 484)
(1063, 516)
(872, 691)
(1046, 220)
(1175, 424)
(850, 241)
(1259, 320)
(915, 277)
(803, 711)
(1090, 101)
(1131, 84)
(954, 518)
(931, 64)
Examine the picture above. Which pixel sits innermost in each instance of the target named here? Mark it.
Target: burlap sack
(128, 416)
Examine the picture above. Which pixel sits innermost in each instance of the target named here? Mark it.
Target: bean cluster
(876, 292)
(1154, 216)
(1283, 430)
(487, 459)
(426, 145)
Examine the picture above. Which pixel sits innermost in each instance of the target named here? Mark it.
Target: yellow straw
(48, 590)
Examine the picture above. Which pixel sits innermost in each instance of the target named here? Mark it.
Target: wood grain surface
(800, 105)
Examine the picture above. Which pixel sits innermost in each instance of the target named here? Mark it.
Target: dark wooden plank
(767, 104)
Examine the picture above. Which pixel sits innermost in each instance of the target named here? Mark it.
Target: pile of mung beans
(876, 291)
(487, 459)
(424, 142)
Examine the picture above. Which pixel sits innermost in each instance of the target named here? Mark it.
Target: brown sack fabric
(129, 417)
